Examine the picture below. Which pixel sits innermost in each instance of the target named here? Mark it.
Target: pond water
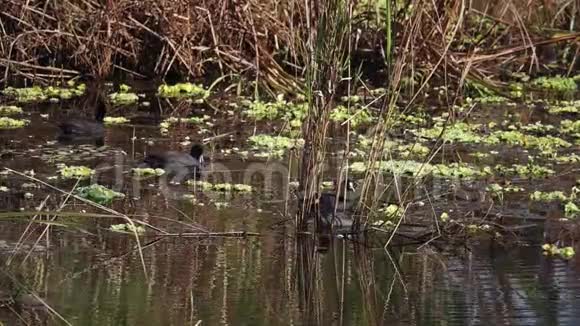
(256, 270)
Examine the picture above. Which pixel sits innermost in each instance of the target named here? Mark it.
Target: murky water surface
(89, 275)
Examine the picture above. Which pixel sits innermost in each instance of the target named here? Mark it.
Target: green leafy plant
(99, 194)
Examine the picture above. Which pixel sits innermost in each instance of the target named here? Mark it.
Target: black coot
(179, 164)
(335, 214)
(84, 128)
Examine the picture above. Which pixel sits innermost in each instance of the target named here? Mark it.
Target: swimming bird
(175, 163)
(85, 128)
(334, 207)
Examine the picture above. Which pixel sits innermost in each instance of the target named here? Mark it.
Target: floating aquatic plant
(419, 169)
(527, 171)
(565, 107)
(9, 123)
(571, 210)
(392, 212)
(145, 172)
(10, 110)
(570, 127)
(357, 115)
(458, 132)
(127, 228)
(115, 120)
(293, 113)
(183, 90)
(498, 191)
(548, 196)
(38, 94)
(124, 96)
(98, 194)
(75, 172)
(222, 187)
(276, 145)
(553, 250)
(558, 83)
(547, 144)
(166, 124)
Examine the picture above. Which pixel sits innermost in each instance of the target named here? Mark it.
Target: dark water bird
(335, 208)
(86, 129)
(179, 164)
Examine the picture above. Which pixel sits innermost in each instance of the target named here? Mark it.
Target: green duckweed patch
(547, 144)
(124, 96)
(220, 187)
(9, 123)
(419, 169)
(99, 194)
(548, 196)
(538, 128)
(458, 132)
(402, 150)
(188, 90)
(166, 124)
(530, 171)
(276, 146)
(553, 250)
(10, 110)
(115, 120)
(293, 113)
(39, 94)
(356, 115)
(558, 83)
(497, 190)
(75, 171)
(570, 127)
(147, 172)
(565, 108)
(571, 210)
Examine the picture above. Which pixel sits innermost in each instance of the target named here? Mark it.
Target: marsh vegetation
(366, 162)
